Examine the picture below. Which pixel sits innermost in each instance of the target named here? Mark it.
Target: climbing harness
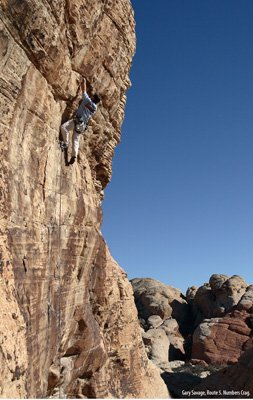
(80, 125)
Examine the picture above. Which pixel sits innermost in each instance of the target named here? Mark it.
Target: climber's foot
(72, 160)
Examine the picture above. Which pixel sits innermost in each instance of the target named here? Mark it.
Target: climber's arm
(83, 85)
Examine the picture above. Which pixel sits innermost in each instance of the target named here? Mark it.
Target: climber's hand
(83, 85)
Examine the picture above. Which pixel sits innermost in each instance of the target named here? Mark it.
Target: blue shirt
(84, 113)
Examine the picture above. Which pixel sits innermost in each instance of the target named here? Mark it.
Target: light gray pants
(65, 129)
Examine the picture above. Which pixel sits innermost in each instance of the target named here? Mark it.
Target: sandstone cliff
(68, 325)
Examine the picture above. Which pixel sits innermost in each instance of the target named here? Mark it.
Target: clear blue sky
(180, 205)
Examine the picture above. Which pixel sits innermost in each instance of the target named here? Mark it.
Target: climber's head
(96, 98)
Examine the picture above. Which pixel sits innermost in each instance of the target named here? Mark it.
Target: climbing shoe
(72, 160)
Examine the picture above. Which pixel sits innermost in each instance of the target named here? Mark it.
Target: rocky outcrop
(212, 329)
(235, 381)
(226, 303)
(223, 340)
(155, 298)
(157, 345)
(246, 301)
(164, 316)
(68, 323)
(216, 298)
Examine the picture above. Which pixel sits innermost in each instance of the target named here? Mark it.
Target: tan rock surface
(163, 309)
(177, 341)
(13, 350)
(68, 322)
(158, 345)
(246, 301)
(155, 298)
(216, 298)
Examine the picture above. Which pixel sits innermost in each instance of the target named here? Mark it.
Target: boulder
(158, 344)
(222, 340)
(163, 307)
(176, 350)
(246, 302)
(218, 297)
(154, 321)
(155, 298)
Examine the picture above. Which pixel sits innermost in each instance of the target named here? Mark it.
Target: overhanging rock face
(68, 324)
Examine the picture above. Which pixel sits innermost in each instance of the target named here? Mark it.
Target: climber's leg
(75, 143)
(65, 128)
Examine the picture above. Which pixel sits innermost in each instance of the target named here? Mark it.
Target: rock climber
(78, 124)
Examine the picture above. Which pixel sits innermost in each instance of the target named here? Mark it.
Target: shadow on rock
(180, 382)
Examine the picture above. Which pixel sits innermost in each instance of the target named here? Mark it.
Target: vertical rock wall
(68, 325)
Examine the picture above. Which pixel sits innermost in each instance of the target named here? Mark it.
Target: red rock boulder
(223, 340)
(235, 381)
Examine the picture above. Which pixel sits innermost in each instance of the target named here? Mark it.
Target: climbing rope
(59, 276)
